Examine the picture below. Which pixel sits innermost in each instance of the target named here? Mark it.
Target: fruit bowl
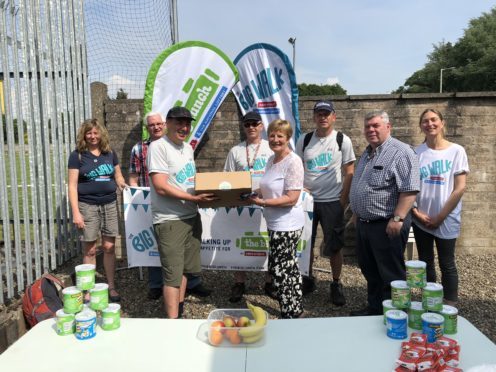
(237, 327)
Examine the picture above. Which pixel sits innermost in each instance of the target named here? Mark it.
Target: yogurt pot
(396, 324)
(85, 276)
(400, 294)
(386, 306)
(73, 300)
(416, 275)
(432, 326)
(111, 317)
(432, 297)
(99, 296)
(415, 315)
(450, 315)
(85, 324)
(65, 323)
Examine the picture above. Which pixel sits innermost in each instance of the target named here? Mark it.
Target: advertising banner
(267, 85)
(192, 74)
(232, 239)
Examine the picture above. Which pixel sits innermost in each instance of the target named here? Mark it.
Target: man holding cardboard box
(176, 221)
(250, 155)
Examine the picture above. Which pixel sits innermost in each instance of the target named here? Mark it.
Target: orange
(234, 337)
(215, 337)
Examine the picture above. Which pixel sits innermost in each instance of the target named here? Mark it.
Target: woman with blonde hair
(279, 195)
(94, 176)
(437, 213)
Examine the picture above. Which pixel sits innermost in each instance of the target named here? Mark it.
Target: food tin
(400, 294)
(111, 317)
(450, 315)
(416, 276)
(99, 296)
(85, 324)
(432, 297)
(85, 276)
(73, 300)
(396, 324)
(415, 315)
(432, 326)
(387, 305)
(65, 323)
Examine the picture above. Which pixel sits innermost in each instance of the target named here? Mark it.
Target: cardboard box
(227, 186)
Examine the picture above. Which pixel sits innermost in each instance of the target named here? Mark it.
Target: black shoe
(365, 312)
(270, 291)
(116, 298)
(308, 285)
(237, 292)
(199, 290)
(337, 296)
(154, 293)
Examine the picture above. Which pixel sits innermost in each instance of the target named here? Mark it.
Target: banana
(255, 331)
(253, 339)
(258, 314)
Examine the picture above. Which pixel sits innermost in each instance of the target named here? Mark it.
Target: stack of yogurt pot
(428, 315)
(81, 319)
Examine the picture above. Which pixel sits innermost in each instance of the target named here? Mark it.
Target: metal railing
(45, 96)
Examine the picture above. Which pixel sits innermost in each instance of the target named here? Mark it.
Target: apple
(218, 325)
(243, 321)
(229, 321)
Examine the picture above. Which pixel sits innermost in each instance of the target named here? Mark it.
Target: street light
(292, 41)
(441, 78)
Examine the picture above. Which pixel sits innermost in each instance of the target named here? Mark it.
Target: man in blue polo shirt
(383, 191)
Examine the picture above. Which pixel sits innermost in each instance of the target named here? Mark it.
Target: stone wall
(470, 121)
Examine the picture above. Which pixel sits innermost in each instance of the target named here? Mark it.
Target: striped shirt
(137, 163)
(380, 177)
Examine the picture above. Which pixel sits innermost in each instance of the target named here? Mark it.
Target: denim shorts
(98, 219)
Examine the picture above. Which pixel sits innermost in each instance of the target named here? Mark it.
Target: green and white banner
(192, 74)
(232, 238)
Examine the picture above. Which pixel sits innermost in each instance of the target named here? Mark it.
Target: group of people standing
(392, 188)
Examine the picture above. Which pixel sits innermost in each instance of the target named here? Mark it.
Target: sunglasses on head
(252, 124)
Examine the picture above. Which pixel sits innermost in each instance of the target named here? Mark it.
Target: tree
(320, 90)
(121, 94)
(473, 56)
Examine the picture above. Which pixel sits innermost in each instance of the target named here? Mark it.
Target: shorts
(179, 243)
(98, 219)
(330, 215)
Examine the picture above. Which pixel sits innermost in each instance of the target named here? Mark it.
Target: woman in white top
(437, 214)
(279, 195)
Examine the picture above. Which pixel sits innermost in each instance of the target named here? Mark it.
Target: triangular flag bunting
(145, 207)
(135, 206)
(310, 215)
(145, 194)
(240, 210)
(133, 191)
(227, 209)
(251, 210)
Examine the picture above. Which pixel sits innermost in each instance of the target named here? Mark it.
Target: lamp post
(441, 78)
(292, 41)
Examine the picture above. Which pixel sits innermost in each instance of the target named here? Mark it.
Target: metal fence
(45, 96)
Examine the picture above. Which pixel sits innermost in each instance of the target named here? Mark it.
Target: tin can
(415, 315)
(432, 326)
(111, 317)
(400, 294)
(450, 315)
(99, 297)
(65, 323)
(432, 297)
(416, 275)
(73, 300)
(85, 276)
(396, 324)
(387, 305)
(85, 324)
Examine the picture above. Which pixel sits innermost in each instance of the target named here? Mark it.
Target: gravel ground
(477, 300)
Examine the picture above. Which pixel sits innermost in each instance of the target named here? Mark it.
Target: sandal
(115, 298)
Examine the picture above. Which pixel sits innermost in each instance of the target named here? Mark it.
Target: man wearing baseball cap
(176, 221)
(249, 155)
(329, 162)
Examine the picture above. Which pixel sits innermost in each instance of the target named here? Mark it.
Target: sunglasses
(252, 124)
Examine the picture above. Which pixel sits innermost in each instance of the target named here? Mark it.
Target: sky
(367, 46)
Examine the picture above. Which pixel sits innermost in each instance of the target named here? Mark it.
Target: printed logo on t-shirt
(186, 176)
(320, 164)
(258, 169)
(433, 172)
(103, 173)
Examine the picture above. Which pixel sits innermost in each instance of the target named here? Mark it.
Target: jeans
(446, 258)
(155, 278)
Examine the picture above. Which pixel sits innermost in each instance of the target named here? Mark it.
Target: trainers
(154, 293)
(270, 291)
(337, 296)
(237, 292)
(199, 290)
(308, 285)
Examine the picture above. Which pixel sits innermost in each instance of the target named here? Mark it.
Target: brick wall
(470, 121)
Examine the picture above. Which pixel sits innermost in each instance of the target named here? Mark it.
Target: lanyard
(250, 166)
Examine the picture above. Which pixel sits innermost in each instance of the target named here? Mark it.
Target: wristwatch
(398, 219)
